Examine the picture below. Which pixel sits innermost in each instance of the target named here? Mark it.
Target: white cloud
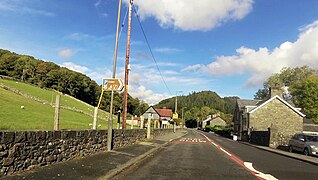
(79, 36)
(188, 15)
(192, 68)
(261, 63)
(147, 95)
(20, 7)
(66, 53)
(75, 67)
(167, 50)
(97, 3)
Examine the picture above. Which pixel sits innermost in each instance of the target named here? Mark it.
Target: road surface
(200, 155)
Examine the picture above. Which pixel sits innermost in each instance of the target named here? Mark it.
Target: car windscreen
(312, 138)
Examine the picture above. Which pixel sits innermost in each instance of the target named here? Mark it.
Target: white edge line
(225, 151)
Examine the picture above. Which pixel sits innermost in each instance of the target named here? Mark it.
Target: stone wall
(24, 150)
(282, 121)
(218, 121)
(125, 137)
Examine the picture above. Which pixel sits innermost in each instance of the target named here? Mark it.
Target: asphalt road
(200, 155)
(190, 157)
(280, 167)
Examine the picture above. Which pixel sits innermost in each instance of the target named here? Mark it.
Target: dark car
(305, 143)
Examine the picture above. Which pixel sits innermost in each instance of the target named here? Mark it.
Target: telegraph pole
(110, 120)
(127, 65)
(176, 102)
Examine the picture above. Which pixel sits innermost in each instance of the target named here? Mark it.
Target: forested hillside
(50, 75)
(200, 104)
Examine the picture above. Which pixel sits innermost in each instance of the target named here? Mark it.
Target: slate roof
(164, 112)
(247, 102)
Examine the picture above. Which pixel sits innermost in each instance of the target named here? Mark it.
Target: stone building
(214, 120)
(271, 122)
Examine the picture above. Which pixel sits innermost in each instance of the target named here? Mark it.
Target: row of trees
(303, 88)
(49, 75)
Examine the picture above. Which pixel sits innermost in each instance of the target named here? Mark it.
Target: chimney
(273, 91)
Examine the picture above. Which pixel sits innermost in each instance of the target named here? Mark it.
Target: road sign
(113, 84)
(175, 116)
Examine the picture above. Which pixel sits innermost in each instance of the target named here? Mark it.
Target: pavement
(103, 165)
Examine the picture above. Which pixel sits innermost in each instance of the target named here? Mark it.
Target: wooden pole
(126, 66)
(57, 113)
(141, 122)
(148, 126)
(95, 117)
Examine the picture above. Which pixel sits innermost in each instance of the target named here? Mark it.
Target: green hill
(201, 99)
(39, 115)
(198, 105)
(46, 74)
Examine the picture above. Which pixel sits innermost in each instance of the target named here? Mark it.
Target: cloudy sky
(227, 46)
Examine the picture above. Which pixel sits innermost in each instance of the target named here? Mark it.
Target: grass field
(50, 95)
(36, 115)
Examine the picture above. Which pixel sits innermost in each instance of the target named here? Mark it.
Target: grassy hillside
(37, 115)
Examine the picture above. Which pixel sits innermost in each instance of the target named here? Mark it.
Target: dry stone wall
(24, 150)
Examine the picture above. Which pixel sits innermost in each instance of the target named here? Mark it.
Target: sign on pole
(113, 84)
(175, 116)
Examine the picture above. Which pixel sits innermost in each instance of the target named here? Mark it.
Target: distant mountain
(199, 100)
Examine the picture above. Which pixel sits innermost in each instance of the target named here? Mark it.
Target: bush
(225, 132)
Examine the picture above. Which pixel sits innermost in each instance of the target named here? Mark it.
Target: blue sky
(227, 46)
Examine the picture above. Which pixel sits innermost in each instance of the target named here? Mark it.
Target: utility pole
(127, 65)
(110, 120)
(183, 123)
(176, 102)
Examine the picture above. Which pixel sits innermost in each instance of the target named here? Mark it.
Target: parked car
(305, 143)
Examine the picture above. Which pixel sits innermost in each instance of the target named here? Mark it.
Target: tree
(287, 76)
(306, 97)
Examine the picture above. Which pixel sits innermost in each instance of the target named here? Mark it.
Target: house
(214, 120)
(271, 122)
(161, 117)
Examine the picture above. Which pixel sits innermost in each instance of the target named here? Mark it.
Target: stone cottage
(271, 122)
(214, 120)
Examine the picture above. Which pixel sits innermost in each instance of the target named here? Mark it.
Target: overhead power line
(123, 23)
(152, 55)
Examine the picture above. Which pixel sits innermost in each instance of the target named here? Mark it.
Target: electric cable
(153, 57)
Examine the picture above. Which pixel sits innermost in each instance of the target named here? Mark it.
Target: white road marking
(209, 140)
(248, 165)
(258, 173)
(225, 152)
(214, 144)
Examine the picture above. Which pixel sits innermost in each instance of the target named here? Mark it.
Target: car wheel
(290, 149)
(306, 151)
